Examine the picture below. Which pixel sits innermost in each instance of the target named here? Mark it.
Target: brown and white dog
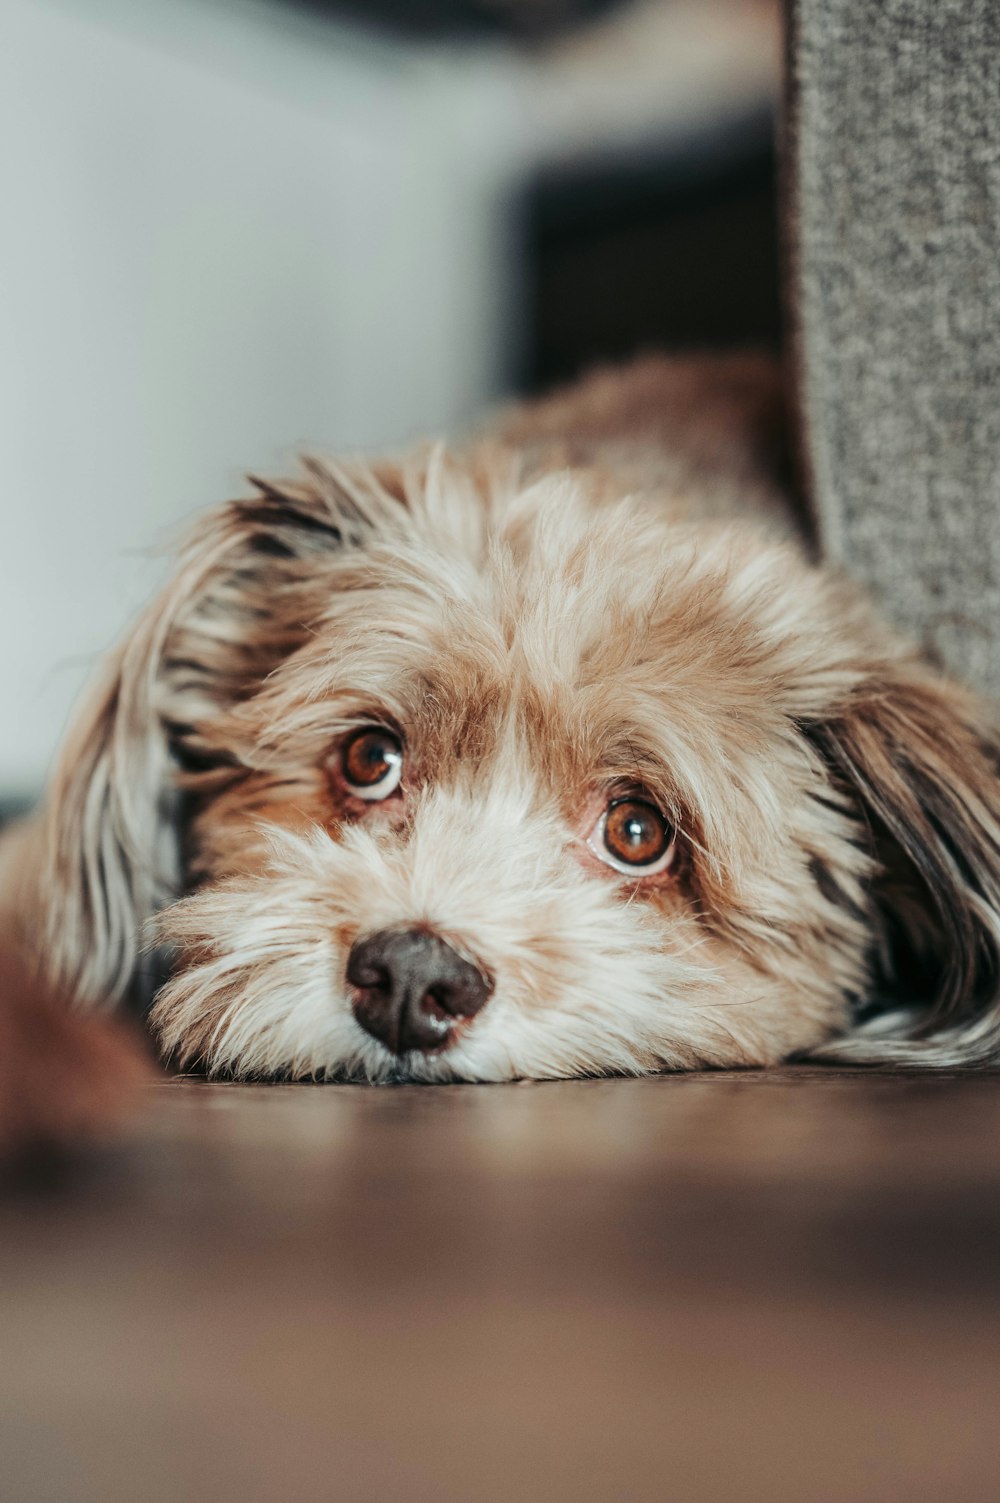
(550, 756)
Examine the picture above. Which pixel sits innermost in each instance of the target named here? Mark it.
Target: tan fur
(603, 592)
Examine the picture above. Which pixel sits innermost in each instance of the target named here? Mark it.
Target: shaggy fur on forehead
(544, 627)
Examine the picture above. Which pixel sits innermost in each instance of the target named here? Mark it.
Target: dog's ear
(249, 582)
(918, 757)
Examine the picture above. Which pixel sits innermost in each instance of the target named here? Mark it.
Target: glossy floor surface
(777, 1286)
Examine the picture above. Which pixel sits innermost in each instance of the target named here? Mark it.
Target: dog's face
(483, 782)
(527, 801)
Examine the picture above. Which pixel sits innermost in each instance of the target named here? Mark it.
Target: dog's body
(552, 756)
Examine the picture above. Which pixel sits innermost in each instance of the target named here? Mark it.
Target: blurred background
(234, 228)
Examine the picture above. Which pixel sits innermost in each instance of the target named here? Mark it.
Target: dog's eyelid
(634, 788)
(369, 720)
(356, 725)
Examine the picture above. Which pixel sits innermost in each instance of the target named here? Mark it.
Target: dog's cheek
(580, 978)
(230, 833)
(257, 984)
(644, 986)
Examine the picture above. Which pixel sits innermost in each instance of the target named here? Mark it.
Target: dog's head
(431, 776)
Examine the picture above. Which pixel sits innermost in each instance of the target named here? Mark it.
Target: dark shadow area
(673, 251)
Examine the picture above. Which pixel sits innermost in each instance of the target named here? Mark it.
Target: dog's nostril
(413, 988)
(437, 997)
(364, 971)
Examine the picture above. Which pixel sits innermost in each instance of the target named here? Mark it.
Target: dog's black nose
(413, 988)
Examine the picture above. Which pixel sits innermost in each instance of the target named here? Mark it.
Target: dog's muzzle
(412, 989)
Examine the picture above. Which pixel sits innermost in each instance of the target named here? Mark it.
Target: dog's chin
(374, 1064)
(370, 1064)
(233, 1034)
(365, 1061)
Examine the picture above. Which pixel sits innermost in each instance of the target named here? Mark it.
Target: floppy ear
(249, 582)
(922, 759)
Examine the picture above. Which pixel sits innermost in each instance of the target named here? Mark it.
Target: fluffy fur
(604, 594)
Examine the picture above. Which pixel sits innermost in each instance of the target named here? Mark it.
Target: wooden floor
(728, 1287)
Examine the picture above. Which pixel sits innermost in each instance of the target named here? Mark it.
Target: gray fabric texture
(893, 210)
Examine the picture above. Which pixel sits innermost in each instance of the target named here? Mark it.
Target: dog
(554, 754)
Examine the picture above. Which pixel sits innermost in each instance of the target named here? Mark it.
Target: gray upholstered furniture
(893, 200)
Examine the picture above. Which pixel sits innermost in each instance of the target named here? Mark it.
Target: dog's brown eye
(372, 763)
(633, 836)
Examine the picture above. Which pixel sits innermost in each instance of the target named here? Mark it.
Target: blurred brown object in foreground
(65, 1077)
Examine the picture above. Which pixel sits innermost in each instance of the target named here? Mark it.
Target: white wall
(228, 231)
(225, 232)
